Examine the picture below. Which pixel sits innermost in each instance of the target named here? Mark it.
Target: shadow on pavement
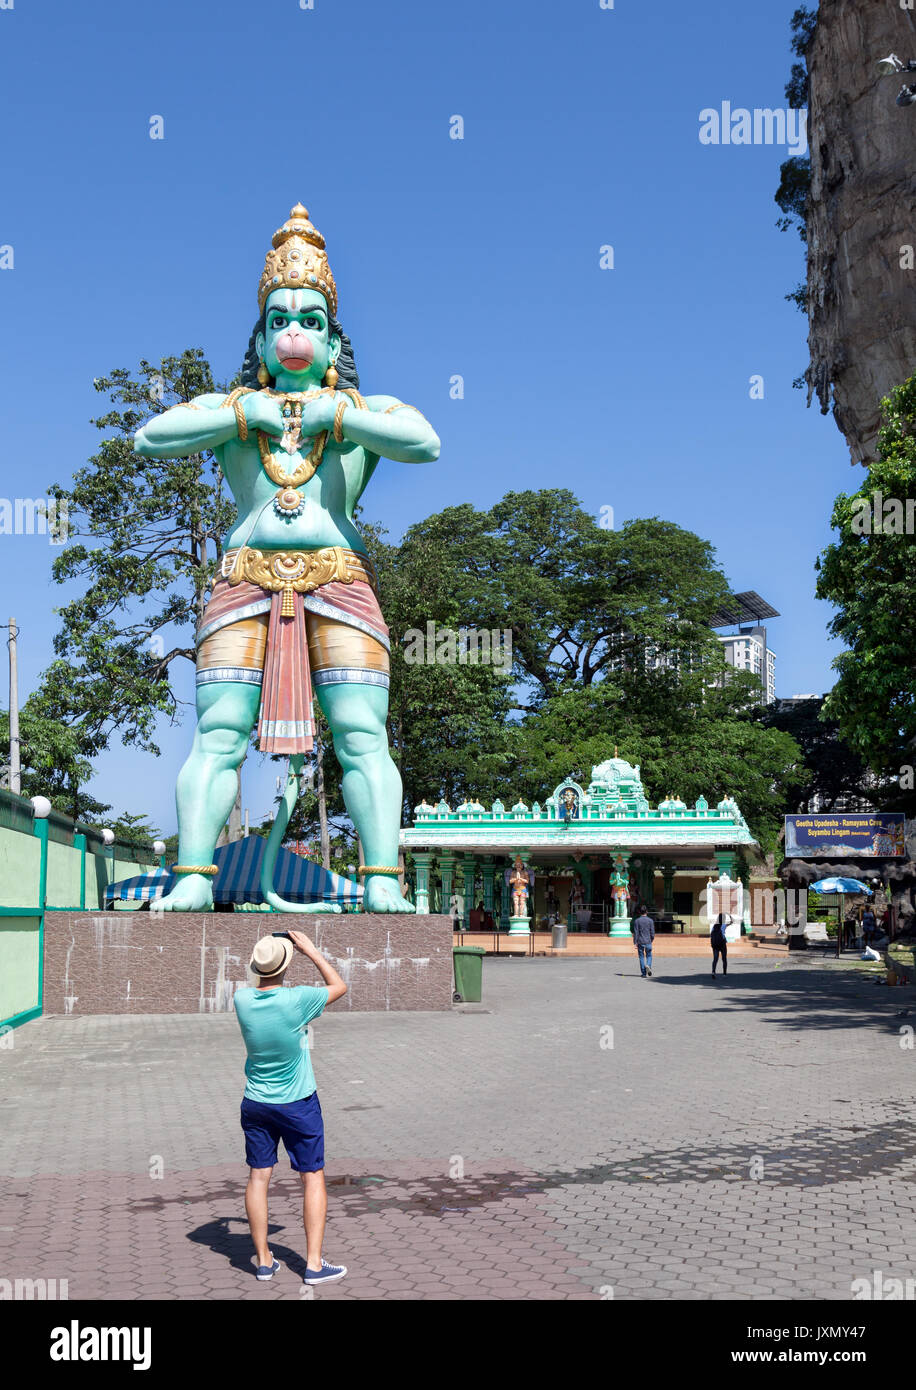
(803, 996)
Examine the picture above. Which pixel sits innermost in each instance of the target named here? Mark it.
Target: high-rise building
(748, 649)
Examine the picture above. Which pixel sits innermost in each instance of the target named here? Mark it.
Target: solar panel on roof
(746, 607)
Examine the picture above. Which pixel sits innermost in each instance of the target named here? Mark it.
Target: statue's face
(296, 342)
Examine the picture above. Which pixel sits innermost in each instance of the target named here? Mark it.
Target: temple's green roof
(612, 811)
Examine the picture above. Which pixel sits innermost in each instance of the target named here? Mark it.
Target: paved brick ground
(750, 1138)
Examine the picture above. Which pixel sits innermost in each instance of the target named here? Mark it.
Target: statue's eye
(313, 322)
(278, 322)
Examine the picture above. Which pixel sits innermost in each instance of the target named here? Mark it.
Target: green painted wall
(20, 860)
(63, 876)
(19, 964)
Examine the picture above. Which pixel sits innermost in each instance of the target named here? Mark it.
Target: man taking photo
(280, 1100)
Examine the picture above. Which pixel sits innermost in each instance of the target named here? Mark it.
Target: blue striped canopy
(238, 880)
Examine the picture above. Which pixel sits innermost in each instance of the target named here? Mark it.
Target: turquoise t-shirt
(279, 1068)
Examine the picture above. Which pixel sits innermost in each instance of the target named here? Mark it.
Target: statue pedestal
(620, 927)
(519, 926)
(192, 962)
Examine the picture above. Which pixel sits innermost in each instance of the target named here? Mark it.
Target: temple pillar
(505, 898)
(422, 859)
(469, 869)
(668, 887)
(726, 861)
(488, 870)
(447, 862)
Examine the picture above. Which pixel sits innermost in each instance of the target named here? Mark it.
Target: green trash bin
(468, 973)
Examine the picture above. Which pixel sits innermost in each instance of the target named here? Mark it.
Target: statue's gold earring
(330, 377)
(263, 375)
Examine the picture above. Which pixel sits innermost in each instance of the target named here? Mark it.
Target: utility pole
(15, 769)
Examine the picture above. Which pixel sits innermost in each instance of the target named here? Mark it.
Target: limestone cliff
(861, 212)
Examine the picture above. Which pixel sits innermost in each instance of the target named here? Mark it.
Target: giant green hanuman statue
(294, 610)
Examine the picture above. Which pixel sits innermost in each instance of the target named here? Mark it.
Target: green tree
(577, 599)
(446, 719)
(833, 772)
(133, 829)
(689, 737)
(144, 542)
(55, 760)
(795, 172)
(868, 575)
(611, 643)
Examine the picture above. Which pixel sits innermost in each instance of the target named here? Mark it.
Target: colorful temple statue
(295, 607)
(519, 879)
(620, 887)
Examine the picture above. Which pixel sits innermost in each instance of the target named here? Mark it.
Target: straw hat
(271, 956)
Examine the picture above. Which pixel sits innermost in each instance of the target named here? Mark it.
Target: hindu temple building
(597, 853)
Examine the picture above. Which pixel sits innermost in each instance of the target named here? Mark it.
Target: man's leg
(649, 958)
(371, 782)
(208, 783)
(314, 1215)
(715, 958)
(641, 954)
(256, 1210)
(724, 960)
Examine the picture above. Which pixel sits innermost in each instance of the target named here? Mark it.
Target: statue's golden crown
(298, 261)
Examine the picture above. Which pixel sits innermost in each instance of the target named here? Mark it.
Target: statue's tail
(275, 839)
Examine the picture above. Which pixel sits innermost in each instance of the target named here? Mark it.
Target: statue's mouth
(294, 364)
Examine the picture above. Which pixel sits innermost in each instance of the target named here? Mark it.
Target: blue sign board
(880, 835)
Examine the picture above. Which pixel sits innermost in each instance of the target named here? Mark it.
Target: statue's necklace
(288, 503)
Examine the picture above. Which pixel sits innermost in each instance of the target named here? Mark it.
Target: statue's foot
(383, 895)
(192, 893)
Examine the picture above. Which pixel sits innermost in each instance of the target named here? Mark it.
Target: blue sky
(477, 257)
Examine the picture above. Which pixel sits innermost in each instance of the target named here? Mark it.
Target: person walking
(719, 943)
(643, 936)
(280, 1100)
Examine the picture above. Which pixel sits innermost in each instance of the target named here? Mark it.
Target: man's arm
(336, 987)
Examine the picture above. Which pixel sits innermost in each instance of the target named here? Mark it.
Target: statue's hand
(262, 413)
(318, 415)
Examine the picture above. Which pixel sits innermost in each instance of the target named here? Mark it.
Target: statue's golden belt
(295, 571)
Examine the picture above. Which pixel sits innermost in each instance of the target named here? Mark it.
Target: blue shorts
(299, 1124)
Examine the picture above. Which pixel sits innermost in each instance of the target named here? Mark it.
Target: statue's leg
(371, 782)
(207, 785)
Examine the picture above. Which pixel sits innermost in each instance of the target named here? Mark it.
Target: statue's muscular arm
(186, 429)
(402, 434)
(205, 423)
